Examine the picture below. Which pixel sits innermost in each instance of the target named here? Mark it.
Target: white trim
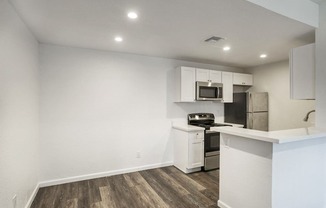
(32, 197)
(222, 204)
(101, 174)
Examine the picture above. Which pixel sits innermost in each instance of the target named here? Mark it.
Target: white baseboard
(101, 174)
(32, 197)
(222, 204)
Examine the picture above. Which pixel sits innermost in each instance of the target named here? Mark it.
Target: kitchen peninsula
(277, 169)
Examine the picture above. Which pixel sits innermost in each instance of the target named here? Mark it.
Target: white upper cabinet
(185, 80)
(227, 80)
(202, 75)
(186, 77)
(215, 76)
(205, 75)
(242, 79)
(302, 72)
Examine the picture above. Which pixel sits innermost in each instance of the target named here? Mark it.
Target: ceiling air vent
(213, 39)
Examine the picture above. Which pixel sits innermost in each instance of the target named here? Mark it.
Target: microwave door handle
(218, 92)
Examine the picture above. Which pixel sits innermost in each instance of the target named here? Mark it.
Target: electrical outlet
(14, 201)
(138, 155)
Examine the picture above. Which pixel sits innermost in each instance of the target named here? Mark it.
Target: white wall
(298, 174)
(320, 78)
(304, 11)
(321, 68)
(284, 113)
(246, 173)
(98, 109)
(19, 109)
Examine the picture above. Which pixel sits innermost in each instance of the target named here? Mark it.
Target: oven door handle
(211, 132)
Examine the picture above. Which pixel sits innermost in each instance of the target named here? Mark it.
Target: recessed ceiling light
(263, 55)
(132, 15)
(118, 39)
(226, 48)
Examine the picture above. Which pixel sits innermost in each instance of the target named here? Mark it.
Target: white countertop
(279, 137)
(186, 127)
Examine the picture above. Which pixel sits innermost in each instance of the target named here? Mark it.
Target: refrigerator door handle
(252, 122)
(250, 103)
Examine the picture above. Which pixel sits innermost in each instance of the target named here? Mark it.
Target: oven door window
(212, 142)
(208, 92)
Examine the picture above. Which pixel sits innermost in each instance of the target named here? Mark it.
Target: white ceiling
(318, 1)
(168, 28)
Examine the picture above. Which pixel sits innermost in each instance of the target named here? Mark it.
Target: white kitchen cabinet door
(215, 76)
(196, 150)
(242, 79)
(188, 150)
(227, 80)
(185, 84)
(206, 75)
(202, 75)
(302, 72)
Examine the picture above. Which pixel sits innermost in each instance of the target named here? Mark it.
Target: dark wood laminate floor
(161, 187)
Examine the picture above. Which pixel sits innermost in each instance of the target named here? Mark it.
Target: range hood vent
(213, 39)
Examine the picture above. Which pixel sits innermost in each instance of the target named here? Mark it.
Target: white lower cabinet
(188, 150)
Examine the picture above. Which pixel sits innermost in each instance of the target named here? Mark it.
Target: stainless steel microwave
(209, 91)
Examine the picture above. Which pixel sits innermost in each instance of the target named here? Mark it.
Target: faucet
(307, 116)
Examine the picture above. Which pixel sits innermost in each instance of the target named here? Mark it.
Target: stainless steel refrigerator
(249, 109)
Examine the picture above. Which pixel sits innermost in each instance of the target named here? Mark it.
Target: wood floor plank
(168, 191)
(214, 174)
(149, 196)
(122, 192)
(83, 198)
(183, 179)
(192, 187)
(71, 203)
(38, 198)
(205, 180)
(167, 196)
(171, 181)
(211, 194)
(213, 206)
(93, 192)
(100, 182)
(107, 199)
(134, 179)
(60, 195)
(165, 187)
(49, 197)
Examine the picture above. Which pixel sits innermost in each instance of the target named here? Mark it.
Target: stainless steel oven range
(211, 138)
